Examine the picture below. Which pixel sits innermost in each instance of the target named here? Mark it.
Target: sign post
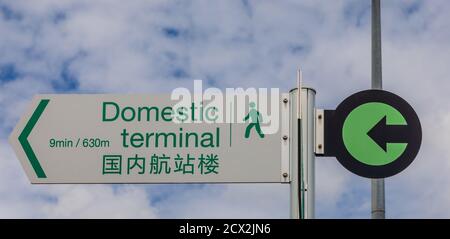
(302, 160)
(378, 199)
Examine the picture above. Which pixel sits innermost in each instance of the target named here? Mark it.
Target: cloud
(96, 201)
(223, 201)
(153, 46)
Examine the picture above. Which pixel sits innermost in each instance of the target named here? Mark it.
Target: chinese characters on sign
(161, 164)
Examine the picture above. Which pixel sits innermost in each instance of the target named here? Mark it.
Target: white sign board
(134, 139)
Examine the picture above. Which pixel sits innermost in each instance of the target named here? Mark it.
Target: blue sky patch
(179, 73)
(171, 32)
(67, 80)
(358, 14)
(8, 72)
(412, 8)
(9, 14)
(59, 17)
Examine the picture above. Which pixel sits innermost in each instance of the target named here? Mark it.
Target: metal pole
(308, 156)
(376, 45)
(300, 149)
(296, 186)
(294, 156)
(378, 201)
(302, 154)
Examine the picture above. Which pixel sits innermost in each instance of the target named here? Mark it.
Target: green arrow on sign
(358, 127)
(23, 139)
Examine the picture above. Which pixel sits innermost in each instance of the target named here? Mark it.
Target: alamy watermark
(257, 106)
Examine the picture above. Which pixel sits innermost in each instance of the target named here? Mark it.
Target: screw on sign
(373, 133)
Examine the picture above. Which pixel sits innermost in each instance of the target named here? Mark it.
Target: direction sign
(134, 139)
(373, 133)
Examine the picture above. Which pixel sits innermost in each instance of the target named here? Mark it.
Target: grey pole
(378, 205)
(302, 157)
(308, 156)
(295, 199)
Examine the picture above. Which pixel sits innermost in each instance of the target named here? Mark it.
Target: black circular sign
(377, 134)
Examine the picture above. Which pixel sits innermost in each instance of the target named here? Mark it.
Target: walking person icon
(255, 119)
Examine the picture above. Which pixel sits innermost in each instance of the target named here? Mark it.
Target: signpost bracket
(319, 127)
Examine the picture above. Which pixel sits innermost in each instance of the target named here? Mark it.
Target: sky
(137, 46)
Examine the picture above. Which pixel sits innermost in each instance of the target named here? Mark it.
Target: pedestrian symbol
(255, 119)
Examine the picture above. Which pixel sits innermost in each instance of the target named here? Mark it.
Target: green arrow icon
(362, 131)
(23, 139)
